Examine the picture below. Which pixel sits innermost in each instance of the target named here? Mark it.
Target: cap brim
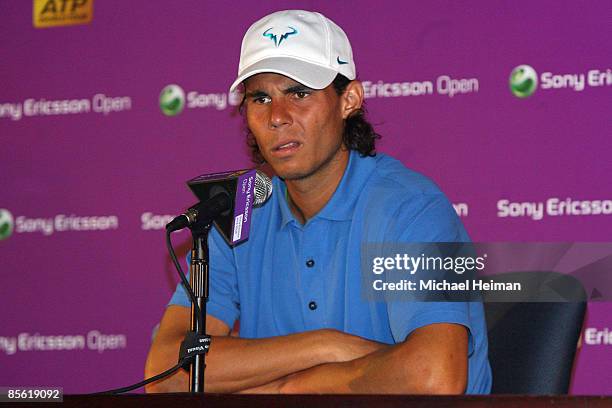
(309, 74)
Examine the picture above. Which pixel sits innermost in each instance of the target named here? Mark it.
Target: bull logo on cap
(274, 37)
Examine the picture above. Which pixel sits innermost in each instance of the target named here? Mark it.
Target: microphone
(218, 188)
(204, 211)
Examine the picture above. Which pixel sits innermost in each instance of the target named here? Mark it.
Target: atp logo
(6, 224)
(278, 39)
(523, 81)
(172, 100)
(54, 13)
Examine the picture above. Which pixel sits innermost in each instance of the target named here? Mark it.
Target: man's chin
(286, 169)
(293, 175)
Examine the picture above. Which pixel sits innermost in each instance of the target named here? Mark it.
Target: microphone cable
(183, 360)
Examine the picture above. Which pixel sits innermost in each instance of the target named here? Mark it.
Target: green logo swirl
(523, 81)
(6, 224)
(172, 100)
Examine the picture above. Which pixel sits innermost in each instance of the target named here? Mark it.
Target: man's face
(298, 129)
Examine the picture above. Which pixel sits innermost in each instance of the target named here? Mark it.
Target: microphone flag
(234, 223)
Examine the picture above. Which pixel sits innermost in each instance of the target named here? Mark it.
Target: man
(295, 286)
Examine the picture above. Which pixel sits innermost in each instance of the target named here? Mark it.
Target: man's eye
(261, 99)
(301, 94)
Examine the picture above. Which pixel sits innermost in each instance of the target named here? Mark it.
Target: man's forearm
(329, 378)
(234, 364)
(418, 366)
(382, 372)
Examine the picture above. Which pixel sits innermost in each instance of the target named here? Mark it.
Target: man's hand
(346, 347)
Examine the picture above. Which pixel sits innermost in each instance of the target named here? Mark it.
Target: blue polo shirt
(289, 278)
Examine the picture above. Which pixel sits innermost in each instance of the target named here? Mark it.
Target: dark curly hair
(358, 133)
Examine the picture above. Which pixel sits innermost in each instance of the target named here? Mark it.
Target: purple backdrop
(98, 276)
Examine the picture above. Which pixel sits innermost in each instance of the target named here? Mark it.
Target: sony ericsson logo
(6, 223)
(523, 81)
(172, 100)
(278, 39)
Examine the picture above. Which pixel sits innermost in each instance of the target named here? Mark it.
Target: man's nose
(279, 114)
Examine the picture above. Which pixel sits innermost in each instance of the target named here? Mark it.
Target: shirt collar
(342, 203)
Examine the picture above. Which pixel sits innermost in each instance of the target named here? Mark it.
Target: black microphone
(220, 201)
(203, 212)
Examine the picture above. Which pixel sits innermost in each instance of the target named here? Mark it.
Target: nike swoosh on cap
(340, 61)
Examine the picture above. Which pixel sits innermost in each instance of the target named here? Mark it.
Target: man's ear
(352, 98)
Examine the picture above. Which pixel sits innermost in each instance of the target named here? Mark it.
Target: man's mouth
(286, 149)
(287, 146)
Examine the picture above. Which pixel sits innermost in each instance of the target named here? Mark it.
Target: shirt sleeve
(223, 302)
(422, 219)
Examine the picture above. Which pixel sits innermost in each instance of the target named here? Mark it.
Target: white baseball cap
(303, 45)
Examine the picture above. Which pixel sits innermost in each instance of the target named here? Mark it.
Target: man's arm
(432, 360)
(166, 344)
(234, 364)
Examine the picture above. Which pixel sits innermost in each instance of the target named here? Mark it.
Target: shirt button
(310, 263)
(312, 305)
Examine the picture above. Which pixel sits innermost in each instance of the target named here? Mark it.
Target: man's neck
(306, 197)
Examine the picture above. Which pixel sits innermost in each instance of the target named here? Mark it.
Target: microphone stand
(199, 283)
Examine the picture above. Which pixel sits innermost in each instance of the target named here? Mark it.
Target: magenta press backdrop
(94, 155)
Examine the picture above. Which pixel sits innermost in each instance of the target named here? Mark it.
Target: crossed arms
(432, 360)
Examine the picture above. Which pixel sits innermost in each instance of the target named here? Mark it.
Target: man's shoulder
(399, 201)
(393, 179)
